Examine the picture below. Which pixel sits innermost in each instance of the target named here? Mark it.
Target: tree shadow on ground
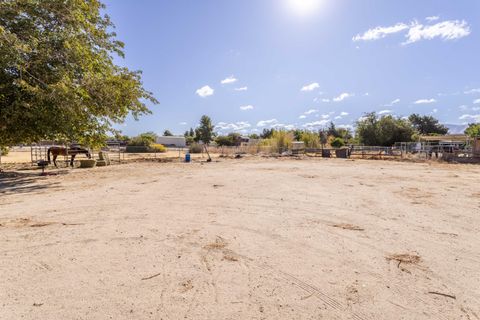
(25, 182)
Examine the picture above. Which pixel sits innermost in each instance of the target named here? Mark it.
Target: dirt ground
(242, 239)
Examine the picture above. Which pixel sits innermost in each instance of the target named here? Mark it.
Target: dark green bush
(337, 143)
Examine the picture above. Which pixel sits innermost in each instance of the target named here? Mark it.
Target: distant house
(172, 141)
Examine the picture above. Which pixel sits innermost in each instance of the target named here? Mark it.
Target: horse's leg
(55, 159)
(71, 161)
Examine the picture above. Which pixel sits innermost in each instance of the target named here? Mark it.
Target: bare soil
(242, 239)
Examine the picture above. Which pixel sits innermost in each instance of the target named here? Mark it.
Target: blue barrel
(187, 157)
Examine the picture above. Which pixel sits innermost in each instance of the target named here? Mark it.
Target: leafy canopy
(383, 131)
(204, 132)
(57, 75)
(427, 125)
(473, 130)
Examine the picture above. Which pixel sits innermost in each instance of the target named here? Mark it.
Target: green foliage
(310, 139)
(57, 73)
(384, 131)
(195, 148)
(473, 130)
(189, 140)
(337, 143)
(280, 141)
(297, 134)
(232, 139)
(335, 132)
(267, 133)
(4, 150)
(204, 132)
(254, 136)
(427, 125)
(167, 133)
(144, 139)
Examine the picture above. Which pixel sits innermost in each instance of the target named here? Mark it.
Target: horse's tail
(48, 155)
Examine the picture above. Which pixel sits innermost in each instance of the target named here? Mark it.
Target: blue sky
(300, 63)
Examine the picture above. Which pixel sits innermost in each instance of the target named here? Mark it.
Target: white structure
(172, 141)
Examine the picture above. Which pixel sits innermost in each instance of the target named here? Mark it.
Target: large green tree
(384, 131)
(57, 75)
(473, 130)
(427, 125)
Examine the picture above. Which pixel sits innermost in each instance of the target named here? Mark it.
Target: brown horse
(63, 151)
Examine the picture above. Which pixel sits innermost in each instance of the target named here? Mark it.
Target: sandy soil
(243, 239)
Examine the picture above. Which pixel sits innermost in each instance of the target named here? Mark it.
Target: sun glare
(303, 7)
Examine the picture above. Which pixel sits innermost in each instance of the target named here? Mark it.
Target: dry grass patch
(404, 258)
(219, 243)
(347, 226)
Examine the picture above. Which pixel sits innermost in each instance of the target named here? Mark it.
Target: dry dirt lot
(243, 239)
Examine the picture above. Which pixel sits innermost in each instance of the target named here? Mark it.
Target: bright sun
(304, 7)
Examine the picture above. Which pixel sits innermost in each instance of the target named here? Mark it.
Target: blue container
(187, 157)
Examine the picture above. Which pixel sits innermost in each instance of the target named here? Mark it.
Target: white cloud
(229, 80)
(380, 32)
(266, 123)
(205, 91)
(434, 110)
(311, 111)
(326, 116)
(366, 94)
(472, 91)
(302, 116)
(474, 117)
(476, 108)
(325, 100)
(447, 30)
(344, 114)
(345, 126)
(241, 89)
(342, 97)
(245, 108)
(432, 18)
(283, 126)
(310, 87)
(425, 101)
(476, 101)
(316, 124)
(463, 107)
(385, 111)
(392, 103)
(236, 126)
(183, 123)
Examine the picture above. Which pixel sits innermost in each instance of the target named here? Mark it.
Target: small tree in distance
(205, 130)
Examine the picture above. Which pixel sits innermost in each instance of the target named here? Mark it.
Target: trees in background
(231, 140)
(383, 131)
(58, 76)
(427, 125)
(144, 140)
(473, 130)
(167, 133)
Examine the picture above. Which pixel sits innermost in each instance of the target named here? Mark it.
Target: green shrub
(280, 141)
(311, 140)
(195, 148)
(337, 143)
(156, 147)
(3, 151)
